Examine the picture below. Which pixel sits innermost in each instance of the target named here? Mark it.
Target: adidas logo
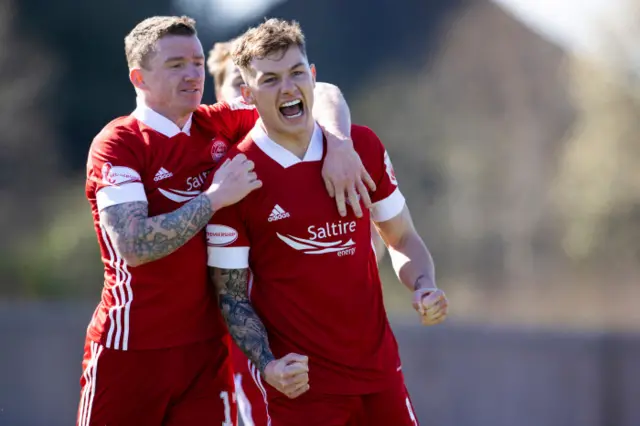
(278, 213)
(162, 174)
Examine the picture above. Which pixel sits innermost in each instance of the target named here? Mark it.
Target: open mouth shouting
(292, 109)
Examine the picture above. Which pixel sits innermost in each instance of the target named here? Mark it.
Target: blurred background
(513, 127)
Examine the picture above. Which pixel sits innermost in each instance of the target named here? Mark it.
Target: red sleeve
(114, 169)
(227, 240)
(233, 120)
(387, 199)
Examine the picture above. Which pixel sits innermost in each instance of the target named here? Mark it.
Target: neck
(178, 119)
(296, 142)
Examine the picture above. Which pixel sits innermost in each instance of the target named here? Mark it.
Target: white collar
(283, 156)
(157, 122)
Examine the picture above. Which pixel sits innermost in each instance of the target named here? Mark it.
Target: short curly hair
(141, 41)
(269, 38)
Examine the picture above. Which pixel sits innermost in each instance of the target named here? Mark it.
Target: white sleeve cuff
(389, 207)
(228, 257)
(125, 193)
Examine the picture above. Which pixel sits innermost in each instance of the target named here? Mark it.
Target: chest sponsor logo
(196, 182)
(328, 238)
(179, 196)
(194, 188)
(220, 235)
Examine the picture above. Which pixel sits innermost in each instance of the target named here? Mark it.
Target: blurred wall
(457, 375)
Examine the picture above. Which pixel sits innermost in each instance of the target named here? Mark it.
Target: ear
(247, 95)
(137, 79)
(312, 67)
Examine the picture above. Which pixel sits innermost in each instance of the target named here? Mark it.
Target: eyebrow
(273, 73)
(182, 58)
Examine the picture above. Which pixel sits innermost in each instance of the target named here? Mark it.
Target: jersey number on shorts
(224, 396)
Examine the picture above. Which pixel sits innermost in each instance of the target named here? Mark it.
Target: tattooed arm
(141, 239)
(289, 374)
(244, 325)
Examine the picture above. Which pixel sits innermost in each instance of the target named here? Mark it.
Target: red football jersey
(315, 281)
(146, 157)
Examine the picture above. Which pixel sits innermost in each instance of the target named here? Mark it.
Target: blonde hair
(216, 63)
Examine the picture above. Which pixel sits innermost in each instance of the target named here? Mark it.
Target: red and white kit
(157, 339)
(315, 282)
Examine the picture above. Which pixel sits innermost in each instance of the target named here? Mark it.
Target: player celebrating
(298, 284)
(227, 82)
(157, 349)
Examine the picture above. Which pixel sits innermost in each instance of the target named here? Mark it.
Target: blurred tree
(350, 40)
(88, 38)
(598, 187)
(29, 155)
(64, 77)
(485, 120)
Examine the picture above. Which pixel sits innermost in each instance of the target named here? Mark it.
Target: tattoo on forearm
(244, 325)
(150, 238)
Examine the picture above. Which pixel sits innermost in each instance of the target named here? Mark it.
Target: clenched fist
(431, 304)
(232, 182)
(289, 374)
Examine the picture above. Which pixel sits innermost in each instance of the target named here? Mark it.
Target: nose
(288, 86)
(194, 73)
